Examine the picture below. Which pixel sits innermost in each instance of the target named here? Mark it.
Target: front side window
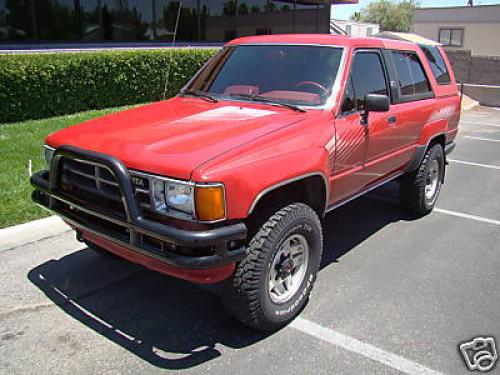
(451, 37)
(348, 104)
(437, 64)
(292, 74)
(411, 75)
(368, 77)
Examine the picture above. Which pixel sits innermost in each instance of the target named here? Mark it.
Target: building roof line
(459, 7)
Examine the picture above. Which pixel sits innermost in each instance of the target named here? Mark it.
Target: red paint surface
(250, 153)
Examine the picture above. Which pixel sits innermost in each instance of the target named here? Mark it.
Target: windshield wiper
(262, 99)
(200, 94)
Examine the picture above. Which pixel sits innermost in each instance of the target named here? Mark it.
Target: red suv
(227, 183)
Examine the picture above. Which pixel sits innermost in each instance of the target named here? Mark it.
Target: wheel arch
(420, 150)
(437, 138)
(311, 189)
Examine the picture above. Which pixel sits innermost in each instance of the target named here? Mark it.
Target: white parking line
(479, 123)
(440, 210)
(467, 216)
(474, 164)
(366, 350)
(481, 138)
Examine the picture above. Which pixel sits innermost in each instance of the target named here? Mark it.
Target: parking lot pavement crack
(25, 308)
(65, 298)
(21, 244)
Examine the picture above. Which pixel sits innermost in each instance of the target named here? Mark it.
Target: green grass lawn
(19, 143)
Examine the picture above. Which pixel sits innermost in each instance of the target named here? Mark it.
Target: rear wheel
(419, 190)
(272, 284)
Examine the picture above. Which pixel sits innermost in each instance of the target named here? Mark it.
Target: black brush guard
(134, 231)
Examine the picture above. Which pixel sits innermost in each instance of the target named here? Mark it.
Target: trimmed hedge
(44, 85)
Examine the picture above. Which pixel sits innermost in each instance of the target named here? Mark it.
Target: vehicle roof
(325, 39)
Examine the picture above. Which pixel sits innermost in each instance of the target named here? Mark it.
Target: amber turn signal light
(209, 203)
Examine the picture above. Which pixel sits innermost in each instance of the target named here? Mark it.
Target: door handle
(391, 120)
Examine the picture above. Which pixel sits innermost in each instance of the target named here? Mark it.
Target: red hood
(173, 137)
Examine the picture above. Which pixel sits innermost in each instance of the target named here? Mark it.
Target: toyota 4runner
(227, 183)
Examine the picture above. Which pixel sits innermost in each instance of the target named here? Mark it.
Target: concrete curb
(468, 104)
(32, 231)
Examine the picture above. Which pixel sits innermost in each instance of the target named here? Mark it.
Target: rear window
(437, 64)
(411, 75)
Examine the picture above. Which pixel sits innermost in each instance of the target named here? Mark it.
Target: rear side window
(437, 64)
(411, 74)
(367, 76)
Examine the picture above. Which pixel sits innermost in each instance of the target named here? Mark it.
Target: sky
(343, 12)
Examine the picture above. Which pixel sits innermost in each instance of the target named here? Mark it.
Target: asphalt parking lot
(393, 295)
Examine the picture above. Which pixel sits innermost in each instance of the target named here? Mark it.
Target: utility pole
(153, 5)
(167, 75)
(77, 17)
(34, 23)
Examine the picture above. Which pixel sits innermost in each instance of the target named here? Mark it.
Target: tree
(390, 15)
(243, 9)
(356, 16)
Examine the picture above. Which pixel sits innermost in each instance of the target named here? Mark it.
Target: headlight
(159, 196)
(187, 200)
(49, 153)
(179, 197)
(171, 195)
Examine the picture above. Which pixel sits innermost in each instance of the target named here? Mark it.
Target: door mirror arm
(374, 103)
(364, 117)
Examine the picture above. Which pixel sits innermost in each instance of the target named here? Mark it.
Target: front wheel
(272, 284)
(419, 190)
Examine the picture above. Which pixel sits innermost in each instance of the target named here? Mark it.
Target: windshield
(292, 74)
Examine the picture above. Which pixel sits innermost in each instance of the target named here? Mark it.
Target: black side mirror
(374, 103)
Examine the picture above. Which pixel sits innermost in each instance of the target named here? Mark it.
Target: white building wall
(357, 29)
(480, 25)
(480, 38)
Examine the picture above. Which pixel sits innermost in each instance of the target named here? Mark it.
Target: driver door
(355, 141)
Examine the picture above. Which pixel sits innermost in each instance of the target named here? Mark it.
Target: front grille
(141, 188)
(91, 185)
(96, 186)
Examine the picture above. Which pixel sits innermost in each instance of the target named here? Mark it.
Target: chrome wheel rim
(288, 268)
(432, 180)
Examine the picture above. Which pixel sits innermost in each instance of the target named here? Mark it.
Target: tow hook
(79, 236)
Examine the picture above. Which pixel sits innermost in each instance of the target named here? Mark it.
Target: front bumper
(225, 243)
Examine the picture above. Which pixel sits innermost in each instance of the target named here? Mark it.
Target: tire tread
(242, 295)
(412, 188)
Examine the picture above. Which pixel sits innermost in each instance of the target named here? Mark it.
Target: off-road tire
(412, 186)
(246, 295)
